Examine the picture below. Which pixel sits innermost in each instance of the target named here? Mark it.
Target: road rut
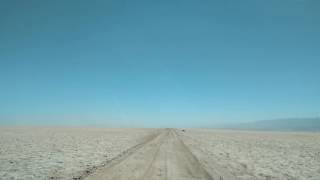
(164, 158)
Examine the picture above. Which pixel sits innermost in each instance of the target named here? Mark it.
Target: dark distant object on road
(183, 130)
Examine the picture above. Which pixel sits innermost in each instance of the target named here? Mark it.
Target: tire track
(118, 159)
(165, 157)
(132, 166)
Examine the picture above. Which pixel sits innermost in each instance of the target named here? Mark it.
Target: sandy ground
(258, 155)
(61, 153)
(121, 154)
(163, 158)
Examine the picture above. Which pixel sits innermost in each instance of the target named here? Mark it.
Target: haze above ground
(158, 64)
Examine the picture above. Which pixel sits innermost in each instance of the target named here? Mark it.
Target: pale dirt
(100, 153)
(163, 158)
(41, 153)
(258, 155)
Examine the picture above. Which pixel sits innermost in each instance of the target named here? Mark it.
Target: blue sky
(158, 63)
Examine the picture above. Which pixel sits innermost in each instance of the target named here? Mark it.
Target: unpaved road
(163, 157)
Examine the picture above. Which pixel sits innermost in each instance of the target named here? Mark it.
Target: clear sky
(158, 63)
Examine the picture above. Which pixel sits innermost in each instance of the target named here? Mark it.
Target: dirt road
(163, 157)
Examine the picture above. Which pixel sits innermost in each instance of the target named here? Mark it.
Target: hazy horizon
(160, 64)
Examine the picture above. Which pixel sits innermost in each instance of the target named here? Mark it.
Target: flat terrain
(255, 155)
(164, 157)
(61, 153)
(101, 153)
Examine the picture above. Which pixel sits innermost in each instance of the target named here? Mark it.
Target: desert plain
(93, 153)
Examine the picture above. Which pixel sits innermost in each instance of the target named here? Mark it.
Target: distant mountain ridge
(288, 124)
